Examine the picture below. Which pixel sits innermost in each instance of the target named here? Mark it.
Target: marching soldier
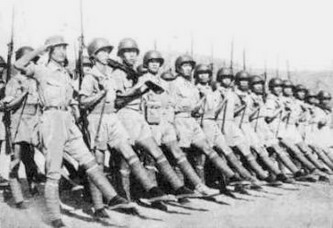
(276, 110)
(257, 85)
(22, 99)
(313, 132)
(159, 112)
(3, 65)
(245, 102)
(325, 131)
(209, 119)
(57, 129)
(130, 113)
(97, 95)
(188, 103)
(232, 132)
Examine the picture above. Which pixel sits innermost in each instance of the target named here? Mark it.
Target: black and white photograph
(166, 114)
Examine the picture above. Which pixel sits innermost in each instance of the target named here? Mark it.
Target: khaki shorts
(58, 135)
(135, 124)
(111, 132)
(189, 131)
(164, 132)
(22, 130)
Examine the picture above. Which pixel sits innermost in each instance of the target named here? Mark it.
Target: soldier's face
(1, 70)
(59, 53)
(226, 82)
(277, 90)
(243, 85)
(288, 91)
(187, 69)
(102, 56)
(204, 77)
(300, 94)
(258, 88)
(130, 56)
(154, 66)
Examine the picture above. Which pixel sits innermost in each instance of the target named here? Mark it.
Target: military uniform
(111, 132)
(58, 133)
(25, 118)
(186, 98)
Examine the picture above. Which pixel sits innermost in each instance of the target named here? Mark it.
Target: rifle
(6, 118)
(83, 121)
(264, 95)
(244, 59)
(79, 65)
(131, 73)
(232, 56)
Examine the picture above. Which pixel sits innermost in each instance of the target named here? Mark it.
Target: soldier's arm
(87, 97)
(23, 63)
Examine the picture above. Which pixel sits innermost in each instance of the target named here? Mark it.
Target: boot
(96, 196)
(141, 174)
(256, 167)
(322, 156)
(98, 178)
(168, 173)
(300, 157)
(220, 164)
(15, 187)
(236, 164)
(285, 159)
(263, 155)
(189, 172)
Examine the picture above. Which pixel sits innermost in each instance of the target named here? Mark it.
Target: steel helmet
(275, 82)
(150, 55)
(168, 76)
(256, 79)
(127, 43)
(55, 41)
(288, 84)
(324, 95)
(183, 59)
(201, 69)
(97, 44)
(242, 75)
(224, 73)
(300, 87)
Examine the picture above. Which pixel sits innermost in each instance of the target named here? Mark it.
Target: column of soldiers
(180, 126)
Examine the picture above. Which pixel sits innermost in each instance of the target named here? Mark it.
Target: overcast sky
(276, 31)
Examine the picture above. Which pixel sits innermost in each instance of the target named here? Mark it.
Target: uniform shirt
(123, 84)
(212, 101)
(54, 84)
(91, 86)
(186, 95)
(243, 98)
(295, 110)
(229, 95)
(164, 100)
(19, 83)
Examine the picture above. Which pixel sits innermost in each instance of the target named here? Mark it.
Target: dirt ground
(293, 206)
